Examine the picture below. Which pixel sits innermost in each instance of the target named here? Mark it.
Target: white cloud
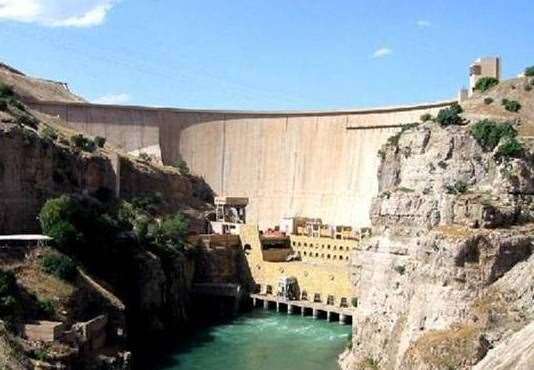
(422, 23)
(117, 99)
(57, 13)
(382, 52)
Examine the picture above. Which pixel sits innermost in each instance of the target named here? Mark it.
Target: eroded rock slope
(447, 280)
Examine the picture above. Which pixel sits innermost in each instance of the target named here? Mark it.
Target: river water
(261, 340)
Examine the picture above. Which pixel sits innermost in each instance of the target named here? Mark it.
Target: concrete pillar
(277, 306)
(342, 319)
(328, 316)
(303, 311)
(265, 304)
(254, 302)
(290, 309)
(315, 313)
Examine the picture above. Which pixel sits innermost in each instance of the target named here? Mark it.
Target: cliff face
(448, 274)
(33, 170)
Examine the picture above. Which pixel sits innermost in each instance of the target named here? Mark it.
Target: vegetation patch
(489, 133)
(459, 187)
(488, 100)
(182, 167)
(486, 83)
(450, 116)
(145, 157)
(529, 71)
(10, 306)
(510, 147)
(83, 143)
(100, 234)
(426, 117)
(511, 105)
(100, 141)
(60, 266)
(49, 133)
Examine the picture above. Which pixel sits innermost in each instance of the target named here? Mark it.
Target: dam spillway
(315, 164)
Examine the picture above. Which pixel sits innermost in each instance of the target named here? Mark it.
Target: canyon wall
(315, 164)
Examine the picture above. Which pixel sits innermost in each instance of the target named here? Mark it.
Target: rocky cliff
(447, 279)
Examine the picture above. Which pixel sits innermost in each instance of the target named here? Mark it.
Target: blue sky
(263, 54)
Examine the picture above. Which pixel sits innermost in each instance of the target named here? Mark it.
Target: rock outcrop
(448, 274)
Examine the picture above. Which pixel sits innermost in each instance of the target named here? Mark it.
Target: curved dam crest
(314, 164)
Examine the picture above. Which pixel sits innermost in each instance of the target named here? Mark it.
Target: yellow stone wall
(313, 275)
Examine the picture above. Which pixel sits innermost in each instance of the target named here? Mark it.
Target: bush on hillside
(182, 167)
(511, 105)
(486, 83)
(60, 266)
(100, 234)
(83, 143)
(145, 157)
(100, 141)
(49, 133)
(450, 116)
(6, 91)
(459, 187)
(489, 133)
(488, 100)
(529, 71)
(510, 147)
(426, 117)
(10, 306)
(27, 120)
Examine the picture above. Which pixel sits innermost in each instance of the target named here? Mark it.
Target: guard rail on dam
(316, 164)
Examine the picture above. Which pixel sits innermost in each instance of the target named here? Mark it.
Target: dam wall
(313, 164)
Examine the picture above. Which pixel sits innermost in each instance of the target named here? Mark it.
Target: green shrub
(6, 91)
(511, 105)
(26, 120)
(145, 157)
(49, 133)
(426, 117)
(83, 143)
(60, 266)
(400, 269)
(450, 116)
(3, 105)
(405, 190)
(354, 301)
(56, 218)
(528, 87)
(511, 147)
(486, 83)
(10, 306)
(488, 100)
(171, 232)
(100, 141)
(529, 71)
(459, 187)
(182, 167)
(489, 133)
(47, 307)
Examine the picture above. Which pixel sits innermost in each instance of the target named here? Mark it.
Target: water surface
(261, 340)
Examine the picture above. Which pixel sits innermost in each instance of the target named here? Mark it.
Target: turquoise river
(261, 340)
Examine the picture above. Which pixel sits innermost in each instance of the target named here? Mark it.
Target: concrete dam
(313, 164)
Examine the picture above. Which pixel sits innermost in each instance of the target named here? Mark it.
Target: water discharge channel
(261, 340)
